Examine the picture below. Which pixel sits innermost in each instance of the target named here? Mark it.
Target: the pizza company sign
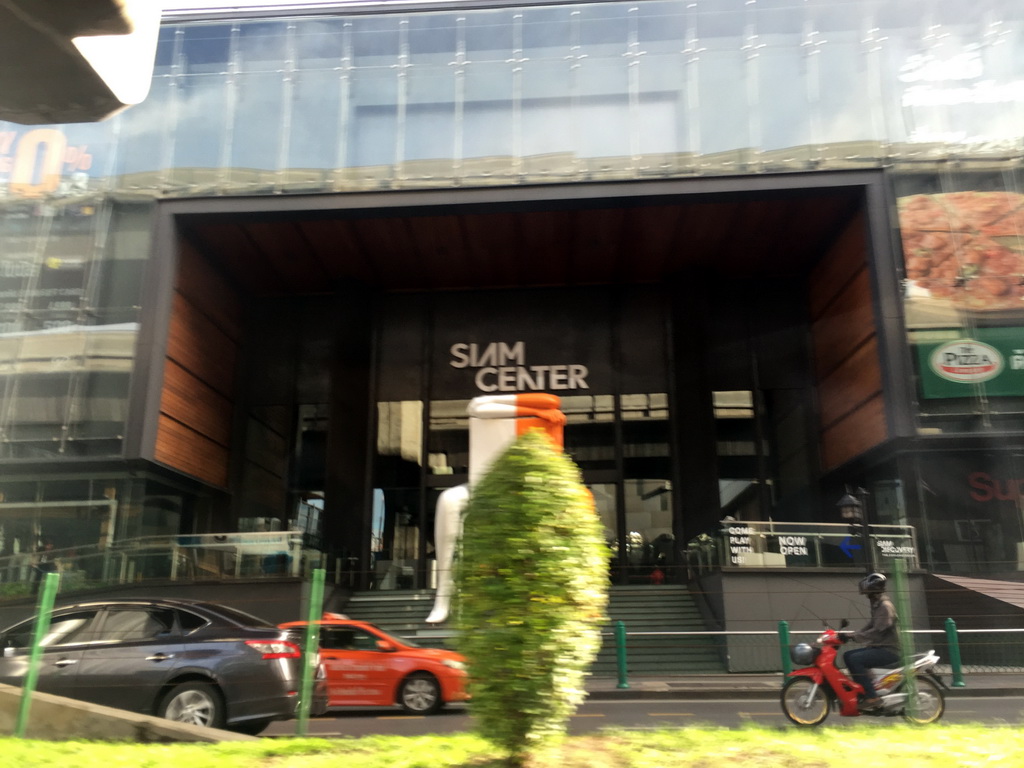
(966, 361)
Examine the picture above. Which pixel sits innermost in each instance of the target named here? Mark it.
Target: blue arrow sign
(847, 546)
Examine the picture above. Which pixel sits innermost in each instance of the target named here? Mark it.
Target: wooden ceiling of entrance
(438, 248)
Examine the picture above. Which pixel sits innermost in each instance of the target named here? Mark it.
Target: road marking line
(670, 714)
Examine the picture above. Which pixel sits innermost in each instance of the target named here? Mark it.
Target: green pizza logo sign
(966, 361)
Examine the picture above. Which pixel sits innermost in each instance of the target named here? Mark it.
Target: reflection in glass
(397, 496)
(738, 473)
(750, 86)
(647, 486)
(448, 440)
(590, 431)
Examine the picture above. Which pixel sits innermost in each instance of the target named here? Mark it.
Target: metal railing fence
(184, 558)
(673, 653)
(970, 650)
(762, 544)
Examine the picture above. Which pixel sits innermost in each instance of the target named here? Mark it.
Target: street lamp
(854, 510)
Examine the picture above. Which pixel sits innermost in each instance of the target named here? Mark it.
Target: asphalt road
(638, 714)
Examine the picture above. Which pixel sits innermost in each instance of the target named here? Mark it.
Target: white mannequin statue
(495, 421)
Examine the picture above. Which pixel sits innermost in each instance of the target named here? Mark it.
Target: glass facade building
(155, 382)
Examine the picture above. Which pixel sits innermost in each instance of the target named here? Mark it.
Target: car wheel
(250, 727)
(420, 694)
(194, 703)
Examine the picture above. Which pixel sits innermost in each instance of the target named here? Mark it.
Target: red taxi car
(366, 666)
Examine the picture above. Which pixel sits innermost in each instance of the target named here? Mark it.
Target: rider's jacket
(880, 631)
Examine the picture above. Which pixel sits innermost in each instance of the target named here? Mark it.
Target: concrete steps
(651, 615)
(646, 611)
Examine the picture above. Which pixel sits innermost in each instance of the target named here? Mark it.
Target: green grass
(874, 746)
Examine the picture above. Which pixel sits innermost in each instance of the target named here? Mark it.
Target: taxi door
(358, 673)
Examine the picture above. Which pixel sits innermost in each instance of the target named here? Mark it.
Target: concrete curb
(600, 689)
(746, 693)
(55, 718)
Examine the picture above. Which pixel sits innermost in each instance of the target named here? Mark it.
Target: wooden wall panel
(188, 451)
(844, 326)
(858, 380)
(861, 430)
(201, 348)
(844, 339)
(195, 404)
(209, 292)
(845, 259)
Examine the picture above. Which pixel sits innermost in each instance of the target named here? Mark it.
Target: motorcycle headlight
(803, 653)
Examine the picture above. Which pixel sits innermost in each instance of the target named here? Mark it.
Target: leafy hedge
(531, 592)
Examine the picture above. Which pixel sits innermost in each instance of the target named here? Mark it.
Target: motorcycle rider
(879, 636)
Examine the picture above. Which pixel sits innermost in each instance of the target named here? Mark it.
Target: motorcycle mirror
(843, 624)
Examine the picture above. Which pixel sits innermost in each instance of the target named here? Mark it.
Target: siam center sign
(502, 367)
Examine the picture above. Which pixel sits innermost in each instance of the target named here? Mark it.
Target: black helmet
(871, 584)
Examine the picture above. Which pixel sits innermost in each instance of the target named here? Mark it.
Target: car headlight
(453, 664)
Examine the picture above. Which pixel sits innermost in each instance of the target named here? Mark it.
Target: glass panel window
(66, 629)
(649, 528)
(204, 48)
(320, 93)
(397, 494)
(647, 485)
(263, 46)
(590, 431)
(430, 116)
(606, 503)
(723, 105)
(133, 624)
(448, 442)
(546, 107)
(739, 457)
(374, 132)
(259, 109)
(488, 117)
(491, 36)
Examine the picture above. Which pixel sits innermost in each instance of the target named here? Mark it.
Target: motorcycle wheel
(802, 706)
(928, 705)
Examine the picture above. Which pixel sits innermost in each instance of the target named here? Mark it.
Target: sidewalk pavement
(768, 685)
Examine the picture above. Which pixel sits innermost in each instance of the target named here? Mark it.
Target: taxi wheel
(420, 694)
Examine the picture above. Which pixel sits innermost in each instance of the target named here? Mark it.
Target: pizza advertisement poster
(951, 364)
(964, 256)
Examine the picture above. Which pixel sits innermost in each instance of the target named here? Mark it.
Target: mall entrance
(321, 353)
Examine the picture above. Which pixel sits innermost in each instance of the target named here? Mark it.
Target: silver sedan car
(190, 661)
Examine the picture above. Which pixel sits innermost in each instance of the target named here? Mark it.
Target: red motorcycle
(809, 694)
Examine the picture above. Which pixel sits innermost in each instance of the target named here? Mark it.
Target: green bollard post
(900, 591)
(953, 641)
(45, 608)
(787, 662)
(620, 652)
(312, 649)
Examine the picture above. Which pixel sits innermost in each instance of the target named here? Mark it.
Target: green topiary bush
(531, 592)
